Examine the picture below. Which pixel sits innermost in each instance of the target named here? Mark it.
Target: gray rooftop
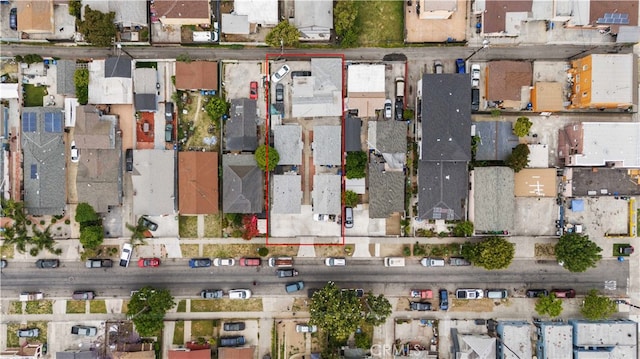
(388, 136)
(386, 190)
(241, 132)
(494, 201)
(314, 19)
(242, 184)
(327, 189)
(442, 190)
(319, 95)
(496, 140)
(77, 354)
(327, 145)
(153, 194)
(353, 138)
(65, 69)
(98, 178)
(517, 337)
(43, 160)
(93, 131)
(446, 117)
(128, 13)
(621, 332)
(556, 340)
(286, 194)
(146, 102)
(288, 143)
(144, 81)
(119, 66)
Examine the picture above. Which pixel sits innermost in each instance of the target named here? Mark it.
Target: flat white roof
(365, 78)
(153, 194)
(609, 141)
(611, 80)
(538, 156)
(558, 340)
(111, 90)
(264, 12)
(8, 91)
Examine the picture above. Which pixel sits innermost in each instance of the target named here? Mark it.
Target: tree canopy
(522, 126)
(490, 253)
(356, 164)
(350, 198)
(284, 31)
(519, 157)
(597, 307)
(92, 236)
(345, 14)
(97, 27)
(549, 305)
(463, 229)
(216, 107)
(147, 309)
(85, 213)
(91, 229)
(576, 252)
(81, 82)
(336, 311)
(378, 309)
(261, 158)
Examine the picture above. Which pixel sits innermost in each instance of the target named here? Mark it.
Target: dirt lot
(289, 342)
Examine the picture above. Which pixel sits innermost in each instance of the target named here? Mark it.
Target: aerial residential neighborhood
(258, 179)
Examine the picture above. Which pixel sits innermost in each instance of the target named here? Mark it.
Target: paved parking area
(61, 339)
(601, 215)
(238, 76)
(5, 30)
(535, 216)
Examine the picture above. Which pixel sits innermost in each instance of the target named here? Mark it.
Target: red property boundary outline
(278, 56)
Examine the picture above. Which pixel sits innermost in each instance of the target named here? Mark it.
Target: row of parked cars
(83, 330)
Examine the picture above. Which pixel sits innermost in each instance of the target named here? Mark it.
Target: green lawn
(381, 22)
(227, 305)
(188, 226)
(212, 227)
(39, 307)
(178, 333)
(33, 95)
(76, 307)
(97, 306)
(15, 308)
(202, 328)
(182, 306)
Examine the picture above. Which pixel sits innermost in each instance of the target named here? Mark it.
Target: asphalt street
(368, 274)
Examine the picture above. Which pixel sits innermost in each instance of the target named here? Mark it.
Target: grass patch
(33, 95)
(212, 226)
(202, 328)
(98, 306)
(7, 251)
(76, 307)
(545, 250)
(227, 305)
(15, 308)
(381, 22)
(330, 251)
(12, 334)
(39, 307)
(616, 250)
(146, 65)
(178, 333)
(478, 305)
(190, 250)
(182, 306)
(188, 226)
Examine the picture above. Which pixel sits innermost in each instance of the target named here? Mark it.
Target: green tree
(147, 309)
(577, 253)
(81, 82)
(345, 14)
(350, 198)
(377, 309)
(463, 229)
(335, 311)
(32, 58)
(137, 233)
(549, 305)
(75, 8)
(519, 157)
(261, 158)
(42, 240)
(356, 164)
(91, 236)
(597, 307)
(85, 213)
(284, 33)
(522, 126)
(97, 27)
(491, 253)
(216, 107)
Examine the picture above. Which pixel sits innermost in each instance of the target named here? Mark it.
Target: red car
(253, 90)
(148, 262)
(564, 293)
(250, 262)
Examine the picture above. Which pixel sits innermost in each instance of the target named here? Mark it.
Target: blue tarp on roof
(577, 205)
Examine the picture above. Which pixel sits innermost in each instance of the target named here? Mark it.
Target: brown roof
(197, 75)
(198, 182)
(496, 10)
(35, 16)
(506, 78)
(193, 354)
(90, 132)
(235, 353)
(182, 9)
(536, 182)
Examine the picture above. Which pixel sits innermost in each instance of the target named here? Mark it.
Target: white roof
(609, 141)
(235, 24)
(130, 12)
(70, 107)
(264, 12)
(153, 194)
(288, 143)
(558, 339)
(611, 81)
(144, 81)
(538, 156)
(319, 95)
(111, 90)
(8, 91)
(365, 78)
(606, 333)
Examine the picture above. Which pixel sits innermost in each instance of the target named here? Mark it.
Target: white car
(239, 294)
(278, 75)
(475, 75)
(469, 294)
(224, 262)
(75, 155)
(335, 262)
(125, 256)
(388, 108)
(306, 328)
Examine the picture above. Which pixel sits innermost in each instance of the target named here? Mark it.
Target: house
(388, 140)
(326, 194)
(288, 143)
(27, 351)
(327, 145)
(435, 21)
(197, 75)
(352, 134)
(516, 336)
(241, 129)
(183, 12)
(493, 199)
(110, 81)
(536, 182)
(144, 89)
(547, 97)
(505, 81)
(35, 16)
(554, 340)
(314, 19)
(243, 189)
(494, 141)
(198, 182)
(593, 144)
(43, 160)
(503, 17)
(470, 345)
(65, 70)
(286, 194)
(601, 81)
(616, 338)
(130, 13)
(445, 146)
(318, 95)
(365, 88)
(153, 194)
(99, 173)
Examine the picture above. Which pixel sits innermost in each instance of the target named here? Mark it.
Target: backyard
(380, 23)
(33, 95)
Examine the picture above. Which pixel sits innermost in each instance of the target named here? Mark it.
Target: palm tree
(137, 234)
(44, 240)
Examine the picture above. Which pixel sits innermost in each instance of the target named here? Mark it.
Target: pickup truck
(28, 296)
(422, 293)
(84, 330)
(394, 262)
(99, 263)
(459, 261)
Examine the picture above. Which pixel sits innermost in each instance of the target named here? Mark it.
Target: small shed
(577, 205)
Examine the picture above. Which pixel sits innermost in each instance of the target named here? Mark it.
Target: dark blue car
(444, 299)
(200, 262)
(460, 67)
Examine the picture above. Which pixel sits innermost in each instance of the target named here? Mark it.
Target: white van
(432, 262)
(399, 87)
(394, 262)
(497, 293)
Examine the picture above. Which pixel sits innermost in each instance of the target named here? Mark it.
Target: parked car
(420, 306)
(475, 71)
(281, 262)
(224, 262)
(168, 112)
(399, 109)
(83, 295)
(475, 99)
(335, 262)
(279, 93)
(444, 299)
(199, 262)
(294, 286)
(469, 294)
(233, 341)
(625, 250)
(13, 19)
(438, 68)
(460, 66)
(239, 294)
(564, 293)
(348, 217)
(75, 155)
(3, 263)
(168, 132)
(211, 294)
(250, 262)
(358, 292)
(47, 263)
(233, 326)
(306, 328)
(148, 262)
(125, 256)
(300, 73)
(388, 109)
(497, 293)
(99, 263)
(432, 262)
(459, 261)
(149, 224)
(286, 273)
(129, 159)
(28, 333)
(535, 293)
(253, 90)
(84, 330)
(30, 296)
(282, 72)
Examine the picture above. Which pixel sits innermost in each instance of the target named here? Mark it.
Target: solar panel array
(53, 122)
(614, 19)
(29, 122)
